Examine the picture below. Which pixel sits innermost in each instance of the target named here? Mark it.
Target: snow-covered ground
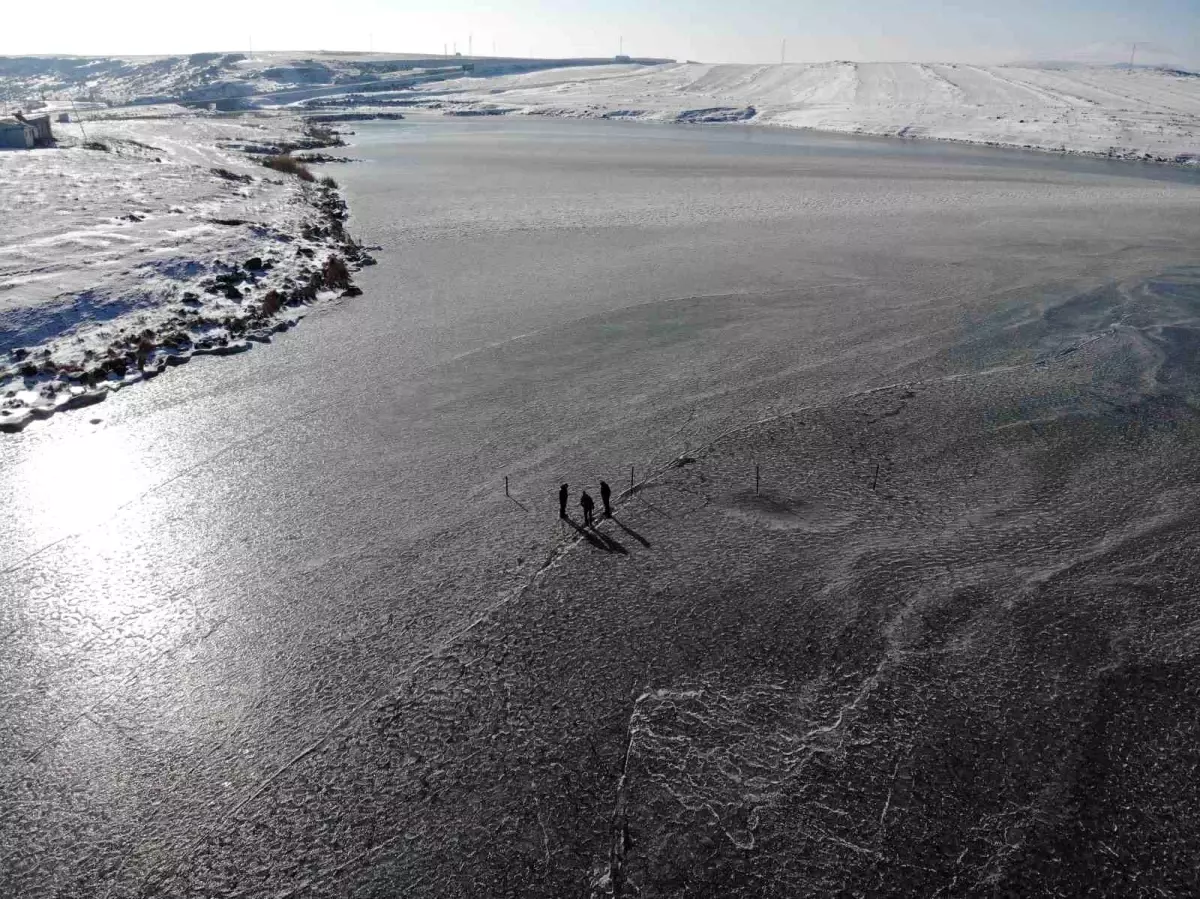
(139, 242)
(247, 79)
(1078, 107)
(140, 78)
(1092, 109)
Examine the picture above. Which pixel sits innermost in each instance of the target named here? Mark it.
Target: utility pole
(78, 120)
(621, 45)
(782, 50)
(470, 44)
(1132, 51)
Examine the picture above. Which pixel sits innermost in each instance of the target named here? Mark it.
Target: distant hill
(241, 78)
(1068, 64)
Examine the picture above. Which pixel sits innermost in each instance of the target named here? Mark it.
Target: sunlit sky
(708, 30)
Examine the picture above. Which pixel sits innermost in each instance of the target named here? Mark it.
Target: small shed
(42, 136)
(16, 135)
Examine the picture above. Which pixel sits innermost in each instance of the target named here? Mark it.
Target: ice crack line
(620, 824)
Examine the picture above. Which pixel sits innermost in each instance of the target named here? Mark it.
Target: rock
(232, 293)
(352, 291)
(272, 302)
(253, 264)
(18, 353)
(28, 370)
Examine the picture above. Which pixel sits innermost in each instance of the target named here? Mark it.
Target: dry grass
(335, 273)
(329, 182)
(290, 166)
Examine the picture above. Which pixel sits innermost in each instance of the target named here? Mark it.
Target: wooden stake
(506, 485)
(875, 480)
(756, 480)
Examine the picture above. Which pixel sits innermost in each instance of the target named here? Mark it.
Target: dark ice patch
(782, 513)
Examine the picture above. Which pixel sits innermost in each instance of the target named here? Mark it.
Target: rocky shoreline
(225, 309)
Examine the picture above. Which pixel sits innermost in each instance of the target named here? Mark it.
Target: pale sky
(707, 30)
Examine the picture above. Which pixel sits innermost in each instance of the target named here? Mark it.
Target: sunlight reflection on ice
(74, 483)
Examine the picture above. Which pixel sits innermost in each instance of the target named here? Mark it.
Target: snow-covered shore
(1143, 113)
(141, 242)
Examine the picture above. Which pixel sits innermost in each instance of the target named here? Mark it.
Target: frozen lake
(211, 597)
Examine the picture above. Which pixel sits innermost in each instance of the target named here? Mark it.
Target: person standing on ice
(605, 496)
(588, 504)
(562, 501)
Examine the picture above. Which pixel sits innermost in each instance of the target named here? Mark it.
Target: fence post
(506, 485)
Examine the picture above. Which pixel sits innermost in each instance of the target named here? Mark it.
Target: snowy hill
(1095, 108)
(253, 78)
(1099, 109)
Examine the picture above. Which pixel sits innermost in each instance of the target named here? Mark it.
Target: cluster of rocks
(232, 176)
(226, 283)
(312, 158)
(356, 117)
(315, 138)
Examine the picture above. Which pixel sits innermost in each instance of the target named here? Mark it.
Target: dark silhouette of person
(588, 504)
(605, 496)
(562, 501)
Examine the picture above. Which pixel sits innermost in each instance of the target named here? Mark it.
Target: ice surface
(273, 628)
